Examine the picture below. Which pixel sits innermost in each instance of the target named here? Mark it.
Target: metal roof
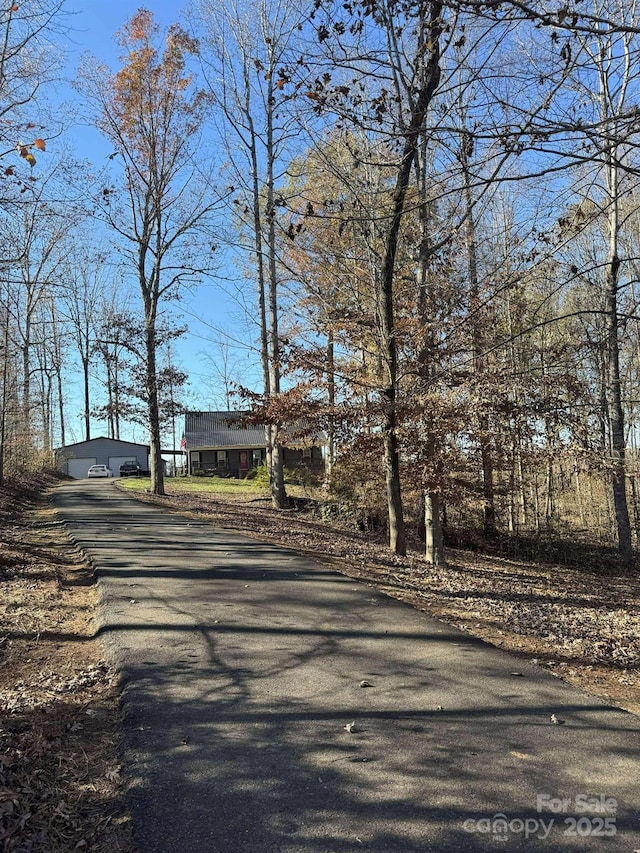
(221, 429)
(116, 441)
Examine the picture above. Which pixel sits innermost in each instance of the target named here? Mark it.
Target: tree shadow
(269, 705)
(243, 765)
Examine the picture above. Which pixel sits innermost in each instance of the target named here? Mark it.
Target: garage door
(78, 467)
(116, 461)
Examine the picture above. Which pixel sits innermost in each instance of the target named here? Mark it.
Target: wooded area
(433, 211)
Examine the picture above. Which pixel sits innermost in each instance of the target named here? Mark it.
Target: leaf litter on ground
(60, 788)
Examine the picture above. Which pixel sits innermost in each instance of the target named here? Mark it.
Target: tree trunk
(488, 487)
(579, 498)
(426, 345)
(110, 397)
(391, 458)
(523, 512)
(614, 383)
(616, 418)
(431, 27)
(5, 395)
(550, 502)
(434, 546)
(536, 502)
(391, 465)
(155, 455)
(331, 400)
(60, 394)
(87, 397)
(276, 472)
(25, 427)
(634, 503)
(261, 278)
(488, 491)
(511, 492)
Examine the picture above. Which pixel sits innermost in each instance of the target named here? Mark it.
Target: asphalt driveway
(271, 704)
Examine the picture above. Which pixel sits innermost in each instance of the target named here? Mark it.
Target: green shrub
(260, 478)
(292, 476)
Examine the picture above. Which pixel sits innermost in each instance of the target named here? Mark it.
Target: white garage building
(76, 459)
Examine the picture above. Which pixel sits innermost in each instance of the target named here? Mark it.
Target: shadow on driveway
(270, 704)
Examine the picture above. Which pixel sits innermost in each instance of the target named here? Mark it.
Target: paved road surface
(242, 663)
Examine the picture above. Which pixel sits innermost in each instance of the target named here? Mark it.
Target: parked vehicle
(130, 469)
(99, 471)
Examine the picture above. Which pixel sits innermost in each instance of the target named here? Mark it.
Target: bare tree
(246, 52)
(29, 59)
(601, 147)
(40, 246)
(82, 293)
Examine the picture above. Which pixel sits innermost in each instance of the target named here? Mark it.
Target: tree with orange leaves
(153, 114)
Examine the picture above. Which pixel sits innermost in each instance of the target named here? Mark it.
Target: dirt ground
(60, 788)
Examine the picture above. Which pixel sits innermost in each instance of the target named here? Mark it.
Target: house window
(221, 458)
(256, 458)
(306, 454)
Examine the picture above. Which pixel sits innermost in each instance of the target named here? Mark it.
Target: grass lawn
(229, 488)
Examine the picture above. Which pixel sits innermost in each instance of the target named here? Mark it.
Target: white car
(99, 471)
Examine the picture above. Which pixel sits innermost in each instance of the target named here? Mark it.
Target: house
(224, 445)
(76, 459)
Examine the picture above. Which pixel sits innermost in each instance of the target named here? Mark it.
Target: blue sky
(94, 22)
(210, 312)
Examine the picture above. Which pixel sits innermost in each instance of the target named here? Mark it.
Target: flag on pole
(183, 442)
